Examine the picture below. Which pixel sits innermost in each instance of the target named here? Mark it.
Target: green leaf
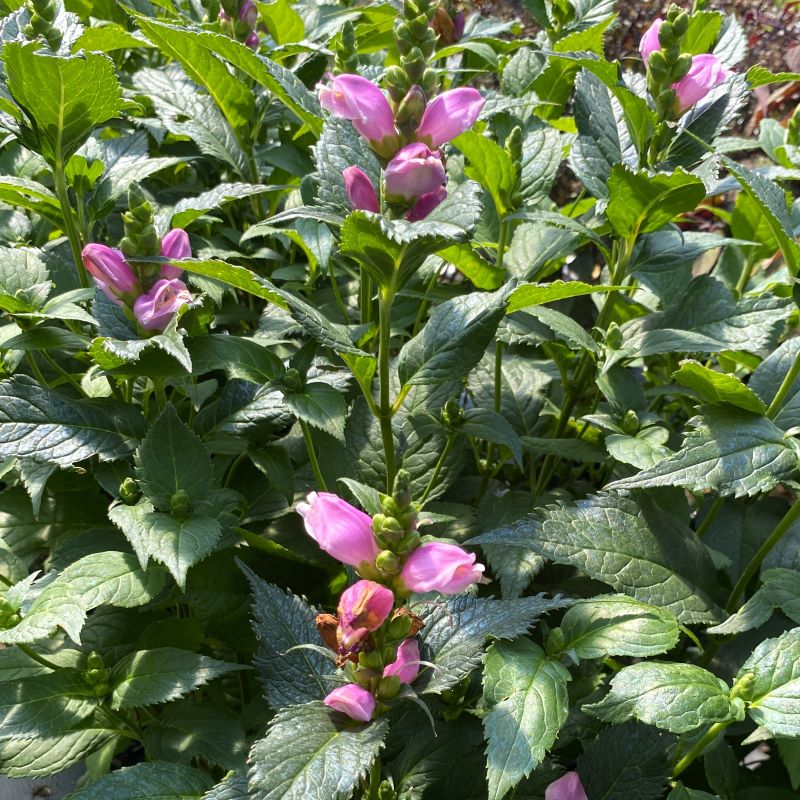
(312, 753)
(704, 27)
(147, 677)
(63, 98)
(527, 695)
(24, 280)
(455, 632)
(728, 451)
(626, 761)
(768, 377)
(239, 356)
(772, 693)
(282, 621)
(150, 780)
(542, 153)
(233, 787)
(172, 459)
(534, 294)
(283, 22)
(536, 249)
(614, 625)
(321, 406)
(771, 201)
(642, 451)
(482, 274)
(492, 427)
(640, 202)
(674, 697)
(45, 704)
(188, 209)
(632, 546)
(454, 338)
(761, 76)
(718, 388)
(31, 195)
(681, 792)
(491, 166)
(38, 423)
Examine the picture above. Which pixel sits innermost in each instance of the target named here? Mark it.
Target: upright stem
(783, 389)
(312, 456)
(365, 296)
(385, 405)
(791, 516)
(700, 746)
(438, 468)
(744, 277)
(69, 221)
(710, 516)
(31, 653)
(375, 779)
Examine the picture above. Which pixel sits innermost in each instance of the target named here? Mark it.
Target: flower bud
(411, 108)
(342, 531)
(682, 66)
(387, 562)
(94, 660)
(406, 664)
(252, 41)
(371, 661)
(567, 787)
(389, 687)
(666, 35)
(706, 72)
(360, 191)
(248, 13)
(448, 115)
(180, 505)
(649, 42)
(414, 171)
(175, 245)
(440, 567)
(101, 690)
(156, 308)
(425, 204)
(363, 608)
(111, 271)
(659, 68)
(353, 700)
(399, 627)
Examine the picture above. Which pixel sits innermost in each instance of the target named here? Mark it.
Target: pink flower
(175, 245)
(363, 608)
(425, 204)
(360, 191)
(649, 43)
(706, 72)
(361, 101)
(567, 787)
(414, 171)
(248, 13)
(341, 530)
(440, 567)
(110, 269)
(448, 115)
(155, 309)
(353, 700)
(406, 665)
(252, 40)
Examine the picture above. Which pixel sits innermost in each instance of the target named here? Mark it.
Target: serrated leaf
(312, 753)
(147, 677)
(150, 780)
(761, 76)
(542, 153)
(482, 274)
(188, 209)
(239, 356)
(527, 695)
(493, 427)
(773, 693)
(536, 249)
(281, 621)
(615, 625)
(632, 546)
(640, 202)
(453, 340)
(173, 459)
(63, 98)
(455, 632)
(38, 423)
(674, 697)
(718, 388)
(321, 406)
(642, 451)
(48, 755)
(768, 377)
(233, 787)
(727, 450)
(630, 760)
(531, 294)
(491, 166)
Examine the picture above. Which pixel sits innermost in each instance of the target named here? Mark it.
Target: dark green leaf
(718, 388)
(150, 780)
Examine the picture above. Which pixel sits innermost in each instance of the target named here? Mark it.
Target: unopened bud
(387, 562)
(402, 490)
(666, 34)
(293, 381)
(682, 67)
(411, 108)
(180, 505)
(371, 660)
(613, 336)
(129, 492)
(630, 422)
(94, 660)
(389, 687)
(101, 690)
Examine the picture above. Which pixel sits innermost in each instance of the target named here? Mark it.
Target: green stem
(31, 359)
(703, 527)
(385, 404)
(621, 264)
(791, 516)
(5, 581)
(700, 746)
(438, 468)
(498, 398)
(783, 390)
(31, 653)
(375, 779)
(365, 296)
(234, 466)
(744, 277)
(69, 221)
(58, 368)
(312, 456)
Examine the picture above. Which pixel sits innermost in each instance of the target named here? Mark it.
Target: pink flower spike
(440, 567)
(157, 307)
(353, 700)
(649, 42)
(110, 269)
(414, 171)
(365, 105)
(360, 191)
(425, 204)
(363, 608)
(406, 665)
(175, 245)
(341, 530)
(448, 115)
(706, 73)
(567, 787)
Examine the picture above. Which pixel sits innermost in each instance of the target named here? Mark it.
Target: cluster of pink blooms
(154, 305)
(415, 174)
(346, 534)
(246, 18)
(706, 72)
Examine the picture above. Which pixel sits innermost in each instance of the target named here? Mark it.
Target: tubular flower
(111, 271)
(157, 307)
(649, 42)
(363, 608)
(567, 787)
(360, 191)
(413, 172)
(425, 204)
(353, 700)
(406, 665)
(706, 72)
(175, 245)
(440, 567)
(448, 115)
